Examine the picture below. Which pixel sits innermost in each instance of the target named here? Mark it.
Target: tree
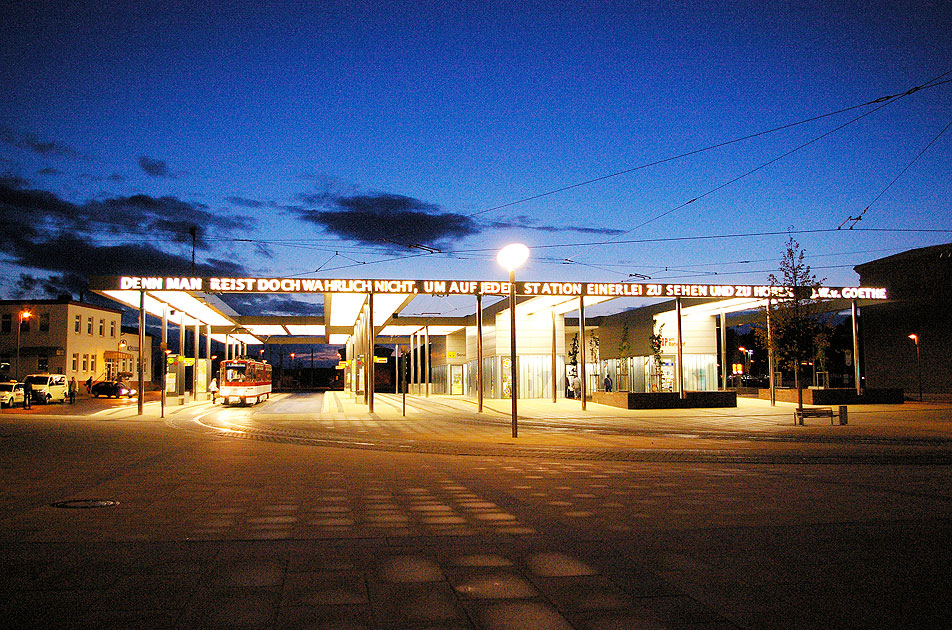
(624, 349)
(654, 340)
(573, 351)
(798, 333)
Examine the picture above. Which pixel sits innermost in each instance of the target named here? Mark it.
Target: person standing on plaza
(213, 388)
(73, 386)
(89, 385)
(608, 383)
(27, 394)
(577, 387)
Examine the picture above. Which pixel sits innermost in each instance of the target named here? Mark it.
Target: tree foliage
(800, 334)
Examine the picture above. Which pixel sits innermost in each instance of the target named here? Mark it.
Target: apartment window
(89, 325)
(112, 328)
(44, 322)
(75, 361)
(85, 363)
(6, 324)
(77, 324)
(102, 328)
(92, 364)
(42, 364)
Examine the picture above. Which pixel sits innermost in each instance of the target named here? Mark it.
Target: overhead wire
(763, 165)
(854, 220)
(935, 82)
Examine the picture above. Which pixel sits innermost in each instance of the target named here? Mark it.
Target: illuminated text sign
(471, 287)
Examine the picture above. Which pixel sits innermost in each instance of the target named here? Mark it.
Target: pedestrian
(608, 383)
(73, 386)
(568, 388)
(577, 387)
(27, 394)
(89, 385)
(213, 388)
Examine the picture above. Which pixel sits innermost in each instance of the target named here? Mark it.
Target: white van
(48, 387)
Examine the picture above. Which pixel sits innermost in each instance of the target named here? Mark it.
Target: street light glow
(914, 337)
(512, 256)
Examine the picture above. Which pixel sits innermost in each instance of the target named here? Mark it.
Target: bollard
(844, 418)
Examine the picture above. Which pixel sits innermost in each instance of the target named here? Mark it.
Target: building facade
(63, 336)
(918, 282)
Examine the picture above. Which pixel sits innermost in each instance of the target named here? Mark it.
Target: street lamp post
(915, 338)
(22, 315)
(511, 257)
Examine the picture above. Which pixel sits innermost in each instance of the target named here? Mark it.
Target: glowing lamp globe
(512, 256)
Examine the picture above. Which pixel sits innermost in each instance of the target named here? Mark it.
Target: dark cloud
(13, 181)
(29, 142)
(49, 170)
(40, 231)
(155, 168)
(528, 223)
(244, 202)
(168, 216)
(387, 219)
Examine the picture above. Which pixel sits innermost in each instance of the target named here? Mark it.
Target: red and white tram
(244, 381)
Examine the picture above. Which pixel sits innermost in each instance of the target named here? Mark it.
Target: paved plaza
(308, 512)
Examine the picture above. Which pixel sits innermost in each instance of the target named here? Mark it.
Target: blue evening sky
(375, 139)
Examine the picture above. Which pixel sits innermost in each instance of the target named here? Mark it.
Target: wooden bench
(812, 412)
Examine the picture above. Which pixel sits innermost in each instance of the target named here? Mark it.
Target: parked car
(11, 394)
(48, 387)
(112, 389)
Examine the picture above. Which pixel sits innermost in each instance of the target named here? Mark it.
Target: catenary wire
(937, 81)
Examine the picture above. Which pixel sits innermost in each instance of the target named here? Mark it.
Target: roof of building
(57, 301)
(933, 252)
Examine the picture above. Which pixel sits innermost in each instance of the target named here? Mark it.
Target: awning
(116, 355)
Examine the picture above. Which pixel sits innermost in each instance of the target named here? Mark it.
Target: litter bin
(844, 418)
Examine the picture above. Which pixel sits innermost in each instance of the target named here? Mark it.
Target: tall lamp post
(915, 338)
(23, 315)
(511, 257)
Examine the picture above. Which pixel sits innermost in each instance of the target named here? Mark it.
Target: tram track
(856, 449)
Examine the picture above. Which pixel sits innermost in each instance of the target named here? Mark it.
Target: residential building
(63, 336)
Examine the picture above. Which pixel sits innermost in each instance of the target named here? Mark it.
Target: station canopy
(192, 301)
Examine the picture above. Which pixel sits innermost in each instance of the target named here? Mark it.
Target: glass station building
(470, 355)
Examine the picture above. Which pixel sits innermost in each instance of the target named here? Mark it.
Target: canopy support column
(723, 316)
(581, 352)
(479, 352)
(680, 368)
(141, 345)
(854, 311)
(370, 352)
(555, 386)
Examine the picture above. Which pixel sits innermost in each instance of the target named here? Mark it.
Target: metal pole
(724, 349)
(165, 356)
(680, 370)
(514, 373)
(19, 326)
(412, 351)
(770, 358)
(479, 352)
(857, 376)
(403, 381)
(919, 369)
(196, 343)
(555, 385)
(426, 356)
(581, 326)
(141, 345)
(370, 352)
